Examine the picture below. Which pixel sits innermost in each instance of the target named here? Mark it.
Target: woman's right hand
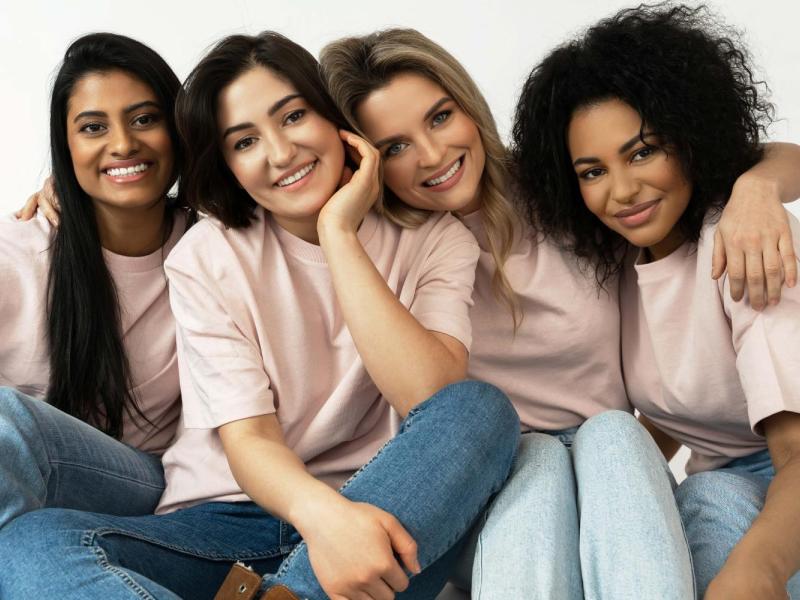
(45, 200)
(354, 549)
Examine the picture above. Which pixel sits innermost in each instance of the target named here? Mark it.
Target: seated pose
(643, 125)
(310, 332)
(541, 332)
(88, 339)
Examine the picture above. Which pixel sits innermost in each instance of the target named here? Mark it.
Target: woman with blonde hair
(542, 332)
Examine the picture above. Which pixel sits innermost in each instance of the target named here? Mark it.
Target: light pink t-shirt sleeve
(767, 345)
(444, 290)
(222, 374)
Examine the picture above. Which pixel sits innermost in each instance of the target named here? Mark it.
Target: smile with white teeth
(127, 171)
(450, 172)
(297, 176)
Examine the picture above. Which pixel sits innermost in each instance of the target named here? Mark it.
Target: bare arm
(407, 362)
(277, 480)
(753, 239)
(769, 554)
(665, 443)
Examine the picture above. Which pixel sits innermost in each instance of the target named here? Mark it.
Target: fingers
(788, 257)
(347, 175)
(773, 273)
(402, 544)
(718, 256)
(365, 150)
(735, 264)
(49, 213)
(755, 279)
(27, 212)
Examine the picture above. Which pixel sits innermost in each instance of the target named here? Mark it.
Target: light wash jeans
(50, 459)
(436, 476)
(599, 522)
(718, 508)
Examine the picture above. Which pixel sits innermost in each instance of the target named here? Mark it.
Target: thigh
(78, 466)
(187, 553)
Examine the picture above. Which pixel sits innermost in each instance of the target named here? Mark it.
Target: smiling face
(283, 153)
(119, 141)
(433, 157)
(635, 187)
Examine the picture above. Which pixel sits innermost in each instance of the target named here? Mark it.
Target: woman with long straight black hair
(87, 348)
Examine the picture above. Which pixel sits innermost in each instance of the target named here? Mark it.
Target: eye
(440, 117)
(394, 149)
(244, 143)
(92, 128)
(643, 153)
(294, 116)
(145, 120)
(591, 173)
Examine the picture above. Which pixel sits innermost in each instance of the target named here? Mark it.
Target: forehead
(602, 126)
(251, 94)
(109, 92)
(399, 105)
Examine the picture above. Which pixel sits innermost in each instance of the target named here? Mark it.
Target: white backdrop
(497, 41)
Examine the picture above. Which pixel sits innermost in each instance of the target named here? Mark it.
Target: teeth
(125, 171)
(297, 176)
(452, 171)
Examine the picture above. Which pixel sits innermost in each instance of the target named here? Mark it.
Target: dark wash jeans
(453, 452)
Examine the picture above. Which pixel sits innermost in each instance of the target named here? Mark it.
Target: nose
(123, 142)
(430, 152)
(280, 150)
(624, 187)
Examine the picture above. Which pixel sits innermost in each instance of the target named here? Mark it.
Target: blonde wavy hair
(354, 67)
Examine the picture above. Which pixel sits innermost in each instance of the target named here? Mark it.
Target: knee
(539, 453)
(612, 429)
(16, 411)
(719, 499)
(36, 537)
(485, 407)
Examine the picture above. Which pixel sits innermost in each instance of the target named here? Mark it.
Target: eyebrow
(589, 160)
(428, 114)
(271, 111)
(127, 109)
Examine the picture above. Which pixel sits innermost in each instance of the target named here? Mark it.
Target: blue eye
(244, 143)
(440, 118)
(395, 149)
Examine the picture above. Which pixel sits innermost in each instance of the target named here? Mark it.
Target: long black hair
(89, 371)
(209, 184)
(690, 80)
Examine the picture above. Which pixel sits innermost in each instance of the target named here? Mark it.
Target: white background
(497, 41)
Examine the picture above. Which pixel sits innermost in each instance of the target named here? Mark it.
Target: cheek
(593, 198)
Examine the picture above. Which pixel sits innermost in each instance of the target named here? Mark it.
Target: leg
(436, 475)
(632, 541)
(528, 546)
(718, 508)
(58, 553)
(53, 459)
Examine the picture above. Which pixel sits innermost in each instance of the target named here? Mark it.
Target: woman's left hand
(754, 240)
(358, 190)
(745, 584)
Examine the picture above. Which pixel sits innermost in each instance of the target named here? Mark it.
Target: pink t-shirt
(260, 332)
(148, 329)
(705, 369)
(563, 364)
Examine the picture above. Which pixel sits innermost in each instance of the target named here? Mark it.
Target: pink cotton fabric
(705, 369)
(148, 329)
(563, 364)
(260, 332)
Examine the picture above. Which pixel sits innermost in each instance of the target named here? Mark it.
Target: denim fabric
(718, 508)
(597, 522)
(452, 453)
(51, 459)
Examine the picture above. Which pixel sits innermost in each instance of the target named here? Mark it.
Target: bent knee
(713, 494)
(541, 452)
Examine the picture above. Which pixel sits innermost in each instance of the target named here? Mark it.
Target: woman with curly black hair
(638, 131)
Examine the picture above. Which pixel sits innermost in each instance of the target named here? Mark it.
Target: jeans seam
(246, 555)
(106, 473)
(102, 561)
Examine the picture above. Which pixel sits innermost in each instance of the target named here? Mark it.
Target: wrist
(332, 232)
(765, 185)
(761, 564)
(305, 513)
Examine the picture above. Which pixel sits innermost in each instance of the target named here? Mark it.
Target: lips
(295, 175)
(447, 177)
(637, 214)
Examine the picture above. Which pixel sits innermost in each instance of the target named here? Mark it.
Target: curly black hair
(690, 79)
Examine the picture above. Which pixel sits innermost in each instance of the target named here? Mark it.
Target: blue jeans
(50, 459)
(452, 453)
(597, 522)
(718, 508)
